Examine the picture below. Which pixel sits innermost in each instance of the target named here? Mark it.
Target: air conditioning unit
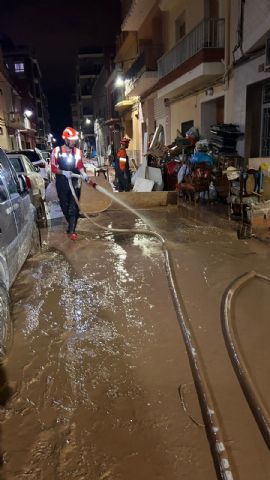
(267, 54)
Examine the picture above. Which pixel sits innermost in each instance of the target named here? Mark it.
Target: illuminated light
(28, 113)
(119, 82)
(88, 121)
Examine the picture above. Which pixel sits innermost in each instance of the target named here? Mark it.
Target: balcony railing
(207, 34)
(146, 62)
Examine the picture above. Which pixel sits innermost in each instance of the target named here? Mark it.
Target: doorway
(212, 112)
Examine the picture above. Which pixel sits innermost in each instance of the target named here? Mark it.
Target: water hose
(254, 399)
(212, 424)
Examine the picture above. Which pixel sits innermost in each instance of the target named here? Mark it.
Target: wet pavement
(98, 357)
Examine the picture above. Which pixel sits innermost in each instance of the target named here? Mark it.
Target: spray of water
(116, 199)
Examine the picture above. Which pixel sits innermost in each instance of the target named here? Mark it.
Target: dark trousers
(67, 202)
(122, 177)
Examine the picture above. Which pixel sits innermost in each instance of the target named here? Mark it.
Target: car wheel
(41, 215)
(6, 329)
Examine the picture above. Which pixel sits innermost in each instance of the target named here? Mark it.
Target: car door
(8, 232)
(23, 210)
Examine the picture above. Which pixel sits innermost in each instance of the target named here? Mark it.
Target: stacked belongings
(177, 151)
(224, 137)
(195, 177)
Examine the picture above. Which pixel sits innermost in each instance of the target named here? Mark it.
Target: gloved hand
(91, 183)
(84, 176)
(67, 173)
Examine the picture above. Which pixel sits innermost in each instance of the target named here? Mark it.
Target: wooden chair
(197, 181)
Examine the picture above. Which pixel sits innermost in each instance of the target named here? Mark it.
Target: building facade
(89, 65)
(177, 77)
(24, 71)
(249, 88)
(16, 129)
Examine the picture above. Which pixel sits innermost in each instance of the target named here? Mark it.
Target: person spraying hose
(65, 161)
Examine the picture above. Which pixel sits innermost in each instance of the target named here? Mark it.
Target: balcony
(16, 120)
(136, 14)
(125, 104)
(143, 74)
(207, 35)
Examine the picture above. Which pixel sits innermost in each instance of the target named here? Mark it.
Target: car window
(32, 156)
(17, 164)
(3, 192)
(8, 174)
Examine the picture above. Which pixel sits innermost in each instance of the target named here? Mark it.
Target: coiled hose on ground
(254, 400)
(212, 424)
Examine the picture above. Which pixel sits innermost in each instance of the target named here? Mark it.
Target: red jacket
(66, 150)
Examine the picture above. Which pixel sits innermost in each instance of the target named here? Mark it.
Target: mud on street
(98, 357)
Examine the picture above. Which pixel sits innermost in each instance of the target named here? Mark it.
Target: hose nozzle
(91, 183)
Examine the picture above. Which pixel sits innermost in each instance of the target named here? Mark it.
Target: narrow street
(98, 358)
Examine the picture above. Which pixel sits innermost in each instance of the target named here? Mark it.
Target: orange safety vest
(121, 154)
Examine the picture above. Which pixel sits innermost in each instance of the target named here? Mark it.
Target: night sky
(56, 29)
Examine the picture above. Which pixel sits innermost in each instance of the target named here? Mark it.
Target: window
(15, 161)
(180, 27)
(3, 192)
(185, 127)
(19, 67)
(8, 174)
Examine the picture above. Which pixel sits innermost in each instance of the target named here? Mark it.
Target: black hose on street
(254, 400)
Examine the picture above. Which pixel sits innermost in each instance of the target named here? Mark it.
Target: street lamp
(119, 82)
(28, 113)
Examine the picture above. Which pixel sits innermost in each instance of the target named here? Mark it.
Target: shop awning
(124, 104)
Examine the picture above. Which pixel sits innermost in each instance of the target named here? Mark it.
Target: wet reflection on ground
(98, 357)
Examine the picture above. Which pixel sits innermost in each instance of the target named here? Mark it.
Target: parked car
(34, 182)
(46, 155)
(36, 158)
(18, 234)
(34, 179)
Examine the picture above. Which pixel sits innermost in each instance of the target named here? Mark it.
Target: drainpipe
(227, 43)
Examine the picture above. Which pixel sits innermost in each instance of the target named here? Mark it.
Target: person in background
(65, 161)
(122, 171)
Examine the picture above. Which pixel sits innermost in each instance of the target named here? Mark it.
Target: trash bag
(51, 193)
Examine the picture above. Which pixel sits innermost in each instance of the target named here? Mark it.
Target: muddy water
(96, 364)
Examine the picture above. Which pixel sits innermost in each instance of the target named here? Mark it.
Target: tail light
(28, 182)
